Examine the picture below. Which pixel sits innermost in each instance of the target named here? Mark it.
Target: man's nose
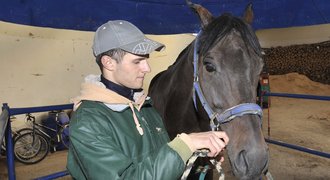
(146, 67)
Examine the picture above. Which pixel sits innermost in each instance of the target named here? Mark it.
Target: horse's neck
(183, 67)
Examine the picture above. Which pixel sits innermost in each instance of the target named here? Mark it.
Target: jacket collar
(93, 89)
(123, 91)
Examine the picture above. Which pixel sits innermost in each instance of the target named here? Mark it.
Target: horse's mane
(218, 29)
(182, 53)
(221, 26)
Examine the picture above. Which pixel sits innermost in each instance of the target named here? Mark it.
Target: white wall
(44, 66)
(294, 35)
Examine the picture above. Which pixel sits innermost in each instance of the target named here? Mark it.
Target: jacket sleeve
(92, 155)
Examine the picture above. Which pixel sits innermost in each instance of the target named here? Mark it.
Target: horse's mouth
(244, 170)
(265, 169)
(247, 174)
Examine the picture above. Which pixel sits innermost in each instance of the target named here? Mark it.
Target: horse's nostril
(241, 162)
(251, 163)
(265, 168)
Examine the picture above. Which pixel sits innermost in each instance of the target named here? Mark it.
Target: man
(115, 133)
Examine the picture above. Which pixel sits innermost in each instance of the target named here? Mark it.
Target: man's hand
(214, 141)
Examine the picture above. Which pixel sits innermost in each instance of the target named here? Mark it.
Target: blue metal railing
(300, 96)
(296, 147)
(9, 140)
(17, 111)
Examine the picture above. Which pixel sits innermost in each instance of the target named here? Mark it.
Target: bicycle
(14, 133)
(33, 145)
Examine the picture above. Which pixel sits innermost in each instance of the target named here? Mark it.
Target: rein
(215, 118)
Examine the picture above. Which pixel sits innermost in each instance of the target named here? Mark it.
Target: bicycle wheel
(21, 131)
(64, 135)
(30, 148)
(3, 149)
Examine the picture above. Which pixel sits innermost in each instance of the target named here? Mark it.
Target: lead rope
(192, 159)
(269, 176)
(203, 153)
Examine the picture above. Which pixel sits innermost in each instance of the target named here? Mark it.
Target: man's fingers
(222, 159)
(220, 144)
(217, 145)
(222, 135)
(213, 147)
(215, 141)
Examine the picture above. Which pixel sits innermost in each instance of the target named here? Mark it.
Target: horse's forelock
(223, 25)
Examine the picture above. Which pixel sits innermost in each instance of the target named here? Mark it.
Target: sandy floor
(295, 121)
(300, 122)
(54, 162)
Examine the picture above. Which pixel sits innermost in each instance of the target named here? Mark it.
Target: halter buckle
(214, 124)
(196, 79)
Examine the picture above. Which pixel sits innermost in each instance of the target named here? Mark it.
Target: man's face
(130, 72)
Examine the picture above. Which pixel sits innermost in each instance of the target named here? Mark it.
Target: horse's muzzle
(251, 164)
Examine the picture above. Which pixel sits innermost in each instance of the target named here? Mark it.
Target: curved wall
(44, 66)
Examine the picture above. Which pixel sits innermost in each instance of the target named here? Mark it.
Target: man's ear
(108, 63)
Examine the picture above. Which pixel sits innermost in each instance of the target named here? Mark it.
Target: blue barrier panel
(302, 96)
(4, 118)
(53, 176)
(10, 152)
(9, 144)
(16, 111)
(299, 148)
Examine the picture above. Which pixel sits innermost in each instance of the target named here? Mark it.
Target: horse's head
(229, 62)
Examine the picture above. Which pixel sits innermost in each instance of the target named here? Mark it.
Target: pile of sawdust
(295, 83)
(300, 122)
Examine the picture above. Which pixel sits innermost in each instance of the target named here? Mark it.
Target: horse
(212, 86)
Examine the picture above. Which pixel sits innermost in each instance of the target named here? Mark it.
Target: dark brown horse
(212, 85)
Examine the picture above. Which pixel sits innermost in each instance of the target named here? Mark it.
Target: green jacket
(106, 142)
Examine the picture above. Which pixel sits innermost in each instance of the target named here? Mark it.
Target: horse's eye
(209, 66)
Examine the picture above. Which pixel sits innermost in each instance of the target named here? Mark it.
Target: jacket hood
(93, 89)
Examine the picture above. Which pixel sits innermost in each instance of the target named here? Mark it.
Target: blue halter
(227, 115)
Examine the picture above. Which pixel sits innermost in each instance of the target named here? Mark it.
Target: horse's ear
(248, 14)
(204, 15)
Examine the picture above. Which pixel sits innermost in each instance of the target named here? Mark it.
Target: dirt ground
(295, 121)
